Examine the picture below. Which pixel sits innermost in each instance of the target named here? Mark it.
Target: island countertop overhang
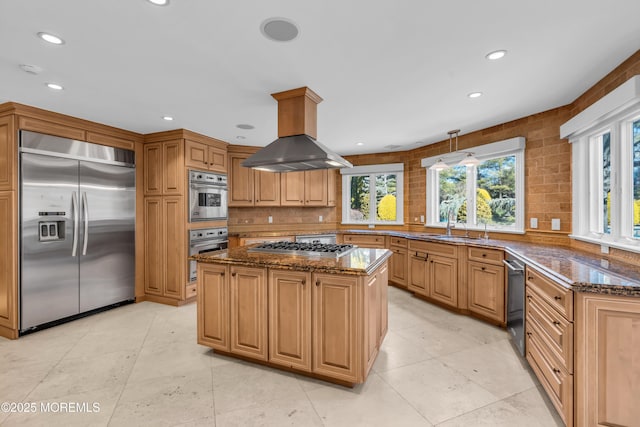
(359, 262)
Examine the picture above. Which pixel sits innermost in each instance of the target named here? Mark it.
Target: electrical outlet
(270, 219)
(534, 222)
(319, 218)
(604, 249)
(422, 219)
(372, 226)
(555, 223)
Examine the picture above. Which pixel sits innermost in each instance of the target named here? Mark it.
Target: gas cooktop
(325, 250)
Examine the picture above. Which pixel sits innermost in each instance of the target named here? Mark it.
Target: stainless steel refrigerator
(77, 228)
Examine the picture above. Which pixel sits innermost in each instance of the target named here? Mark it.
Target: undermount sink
(444, 236)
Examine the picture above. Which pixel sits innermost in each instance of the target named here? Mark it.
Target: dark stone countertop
(581, 271)
(360, 261)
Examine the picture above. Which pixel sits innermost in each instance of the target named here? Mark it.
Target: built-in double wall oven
(207, 196)
(205, 240)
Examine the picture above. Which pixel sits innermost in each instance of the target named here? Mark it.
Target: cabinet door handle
(555, 322)
(233, 274)
(557, 298)
(304, 281)
(528, 334)
(556, 370)
(529, 277)
(484, 255)
(529, 297)
(484, 268)
(222, 274)
(318, 282)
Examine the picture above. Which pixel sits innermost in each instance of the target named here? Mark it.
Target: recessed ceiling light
(159, 2)
(496, 54)
(50, 38)
(359, 143)
(54, 86)
(244, 126)
(475, 95)
(31, 69)
(279, 29)
(240, 137)
(167, 118)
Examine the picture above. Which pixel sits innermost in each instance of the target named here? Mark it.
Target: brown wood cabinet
(163, 168)
(335, 326)
(433, 271)
(248, 301)
(213, 293)
(308, 188)
(399, 262)
(8, 147)
(165, 246)
(365, 240)
(549, 346)
(607, 372)
(167, 159)
(248, 187)
(290, 318)
(8, 264)
(486, 284)
(204, 156)
(372, 299)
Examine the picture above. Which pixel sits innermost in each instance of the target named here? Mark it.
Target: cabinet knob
(222, 274)
(484, 268)
(233, 274)
(555, 322)
(528, 334)
(257, 200)
(484, 255)
(304, 281)
(529, 277)
(557, 298)
(307, 201)
(318, 282)
(556, 370)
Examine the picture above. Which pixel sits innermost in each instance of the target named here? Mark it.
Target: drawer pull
(233, 274)
(222, 274)
(555, 322)
(557, 298)
(484, 268)
(528, 334)
(317, 282)
(556, 370)
(529, 277)
(304, 281)
(484, 255)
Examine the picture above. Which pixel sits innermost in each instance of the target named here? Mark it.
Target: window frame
(615, 113)
(510, 147)
(372, 171)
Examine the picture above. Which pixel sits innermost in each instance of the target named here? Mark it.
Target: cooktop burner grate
(327, 250)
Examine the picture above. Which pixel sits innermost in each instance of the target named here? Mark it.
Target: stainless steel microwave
(207, 196)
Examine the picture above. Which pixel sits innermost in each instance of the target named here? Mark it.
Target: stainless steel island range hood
(296, 148)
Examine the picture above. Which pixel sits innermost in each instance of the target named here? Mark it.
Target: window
(487, 195)
(605, 142)
(373, 194)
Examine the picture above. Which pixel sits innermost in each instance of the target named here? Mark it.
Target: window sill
(611, 244)
(374, 224)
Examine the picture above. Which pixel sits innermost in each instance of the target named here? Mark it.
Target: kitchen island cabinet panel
(213, 293)
(8, 264)
(248, 293)
(372, 318)
(290, 318)
(335, 326)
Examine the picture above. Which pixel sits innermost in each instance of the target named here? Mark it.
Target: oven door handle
(210, 243)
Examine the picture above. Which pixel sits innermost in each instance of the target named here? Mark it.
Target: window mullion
(372, 199)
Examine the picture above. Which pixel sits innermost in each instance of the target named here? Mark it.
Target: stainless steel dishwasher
(515, 301)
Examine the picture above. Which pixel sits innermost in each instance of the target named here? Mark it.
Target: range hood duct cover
(296, 148)
(295, 153)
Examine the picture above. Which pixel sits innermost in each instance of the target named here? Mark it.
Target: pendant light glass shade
(439, 165)
(469, 160)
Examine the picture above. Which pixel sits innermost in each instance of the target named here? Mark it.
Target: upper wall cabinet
(7, 154)
(203, 156)
(163, 171)
(308, 188)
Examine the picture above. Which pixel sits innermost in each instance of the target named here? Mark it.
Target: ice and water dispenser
(51, 230)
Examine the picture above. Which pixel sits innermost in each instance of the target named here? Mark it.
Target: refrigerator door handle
(74, 203)
(85, 206)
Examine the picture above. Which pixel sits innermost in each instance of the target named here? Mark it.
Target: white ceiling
(390, 72)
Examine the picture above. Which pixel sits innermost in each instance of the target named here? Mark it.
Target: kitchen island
(324, 317)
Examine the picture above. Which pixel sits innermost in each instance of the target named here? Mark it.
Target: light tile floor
(141, 365)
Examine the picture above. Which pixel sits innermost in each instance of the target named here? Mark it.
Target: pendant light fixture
(440, 164)
(468, 160)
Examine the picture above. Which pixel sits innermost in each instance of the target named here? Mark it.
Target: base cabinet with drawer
(486, 284)
(399, 262)
(365, 240)
(549, 338)
(433, 271)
